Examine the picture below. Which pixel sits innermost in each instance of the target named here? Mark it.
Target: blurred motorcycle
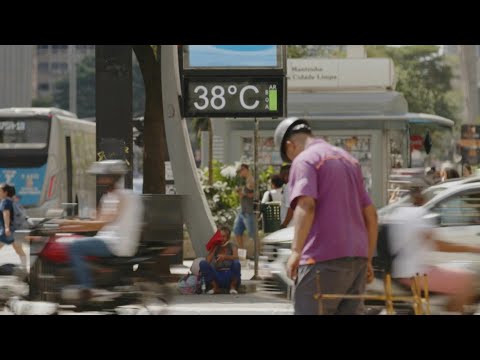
(121, 280)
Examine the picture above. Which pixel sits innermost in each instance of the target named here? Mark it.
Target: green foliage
(155, 50)
(296, 51)
(42, 102)
(323, 51)
(264, 180)
(199, 125)
(86, 90)
(222, 197)
(424, 78)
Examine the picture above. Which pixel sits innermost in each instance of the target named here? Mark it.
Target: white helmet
(108, 167)
(284, 129)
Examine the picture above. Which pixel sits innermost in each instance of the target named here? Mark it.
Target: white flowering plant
(221, 196)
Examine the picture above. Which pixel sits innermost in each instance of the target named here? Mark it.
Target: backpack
(19, 217)
(190, 284)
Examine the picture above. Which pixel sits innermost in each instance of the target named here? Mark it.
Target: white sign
(168, 171)
(340, 74)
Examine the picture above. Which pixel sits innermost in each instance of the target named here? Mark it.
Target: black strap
(270, 198)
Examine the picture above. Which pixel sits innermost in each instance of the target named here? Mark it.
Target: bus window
(24, 133)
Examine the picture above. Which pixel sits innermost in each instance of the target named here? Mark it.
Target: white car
(457, 204)
(429, 193)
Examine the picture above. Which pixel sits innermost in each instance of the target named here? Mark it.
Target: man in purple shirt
(335, 221)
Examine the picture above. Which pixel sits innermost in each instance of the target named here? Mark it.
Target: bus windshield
(18, 133)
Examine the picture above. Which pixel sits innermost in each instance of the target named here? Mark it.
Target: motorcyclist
(118, 223)
(412, 238)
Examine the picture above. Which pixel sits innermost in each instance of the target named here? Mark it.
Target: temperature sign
(234, 97)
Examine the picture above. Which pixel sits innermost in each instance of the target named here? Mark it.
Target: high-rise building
(52, 65)
(16, 65)
(467, 67)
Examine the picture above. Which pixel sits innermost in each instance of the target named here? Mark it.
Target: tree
(42, 102)
(323, 51)
(424, 78)
(86, 90)
(296, 51)
(155, 148)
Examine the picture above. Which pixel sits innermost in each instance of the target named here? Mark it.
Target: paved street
(243, 304)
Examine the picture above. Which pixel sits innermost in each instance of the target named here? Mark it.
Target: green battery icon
(272, 100)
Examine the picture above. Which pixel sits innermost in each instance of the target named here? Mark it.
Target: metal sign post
(256, 196)
(235, 81)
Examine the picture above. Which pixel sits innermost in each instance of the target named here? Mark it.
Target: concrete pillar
(114, 105)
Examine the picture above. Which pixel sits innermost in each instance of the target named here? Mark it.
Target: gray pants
(338, 276)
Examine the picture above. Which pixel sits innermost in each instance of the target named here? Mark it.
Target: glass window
(460, 209)
(43, 86)
(23, 133)
(43, 66)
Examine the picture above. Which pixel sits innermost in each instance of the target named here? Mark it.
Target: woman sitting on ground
(221, 270)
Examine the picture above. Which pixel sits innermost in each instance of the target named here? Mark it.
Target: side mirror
(434, 219)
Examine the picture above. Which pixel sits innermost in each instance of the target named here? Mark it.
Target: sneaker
(233, 292)
(210, 292)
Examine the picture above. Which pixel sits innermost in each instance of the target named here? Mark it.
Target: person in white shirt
(118, 223)
(412, 239)
(275, 194)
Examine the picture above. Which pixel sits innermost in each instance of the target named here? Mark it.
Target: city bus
(44, 153)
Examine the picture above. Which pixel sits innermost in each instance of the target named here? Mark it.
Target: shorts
(7, 240)
(244, 222)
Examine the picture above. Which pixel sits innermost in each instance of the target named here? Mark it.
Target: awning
(347, 104)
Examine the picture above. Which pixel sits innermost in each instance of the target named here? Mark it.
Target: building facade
(16, 75)
(52, 63)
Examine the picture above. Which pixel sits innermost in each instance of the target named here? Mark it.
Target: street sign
(231, 81)
(234, 97)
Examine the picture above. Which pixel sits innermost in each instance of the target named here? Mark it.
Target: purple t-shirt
(334, 179)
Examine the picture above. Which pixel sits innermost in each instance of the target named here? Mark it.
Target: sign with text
(234, 97)
(28, 183)
(231, 81)
(348, 74)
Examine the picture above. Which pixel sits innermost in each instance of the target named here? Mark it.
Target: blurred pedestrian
(412, 240)
(275, 192)
(7, 228)
(449, 173)
(467, 170)
(118, 224)
(245, 219)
